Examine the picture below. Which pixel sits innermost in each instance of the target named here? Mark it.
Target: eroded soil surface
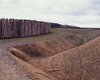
(80, 63)
(63, 54)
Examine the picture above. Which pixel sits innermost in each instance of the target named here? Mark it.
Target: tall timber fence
(11, 28)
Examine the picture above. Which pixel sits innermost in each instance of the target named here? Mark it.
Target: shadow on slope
(42, 48)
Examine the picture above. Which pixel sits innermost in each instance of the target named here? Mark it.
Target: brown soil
(10, 69)
(80, 63)
(44, 48)
(51, 56)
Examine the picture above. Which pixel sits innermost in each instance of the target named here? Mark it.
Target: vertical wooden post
(3, 28)
(29, 28)
(49, 27)
(26, 28)
(22, 28)
(39, 28)
(14, 29)
(32, 28)
(0, 28)
(43, 28)
(8, 29)
(10, 24)
(36, 28)
(18, 28)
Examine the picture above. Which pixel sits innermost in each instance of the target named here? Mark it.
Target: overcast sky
(85, 13)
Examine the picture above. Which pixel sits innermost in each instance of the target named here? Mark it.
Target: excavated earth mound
(43, 48)
(60, 62)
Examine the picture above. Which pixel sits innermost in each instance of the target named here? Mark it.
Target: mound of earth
(43, 48)
(80, 63)
(10, 68)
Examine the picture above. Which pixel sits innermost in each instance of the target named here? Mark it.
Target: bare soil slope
(44, 48)
(10, 69)
(31, 67)
(80, 63)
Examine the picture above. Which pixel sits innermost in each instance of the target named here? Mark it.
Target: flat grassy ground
(79, 36)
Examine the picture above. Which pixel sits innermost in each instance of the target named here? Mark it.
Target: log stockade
(15, 28)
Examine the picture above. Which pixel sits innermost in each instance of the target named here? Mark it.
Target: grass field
(79, 36)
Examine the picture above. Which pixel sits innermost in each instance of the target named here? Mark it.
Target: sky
(83, 13)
